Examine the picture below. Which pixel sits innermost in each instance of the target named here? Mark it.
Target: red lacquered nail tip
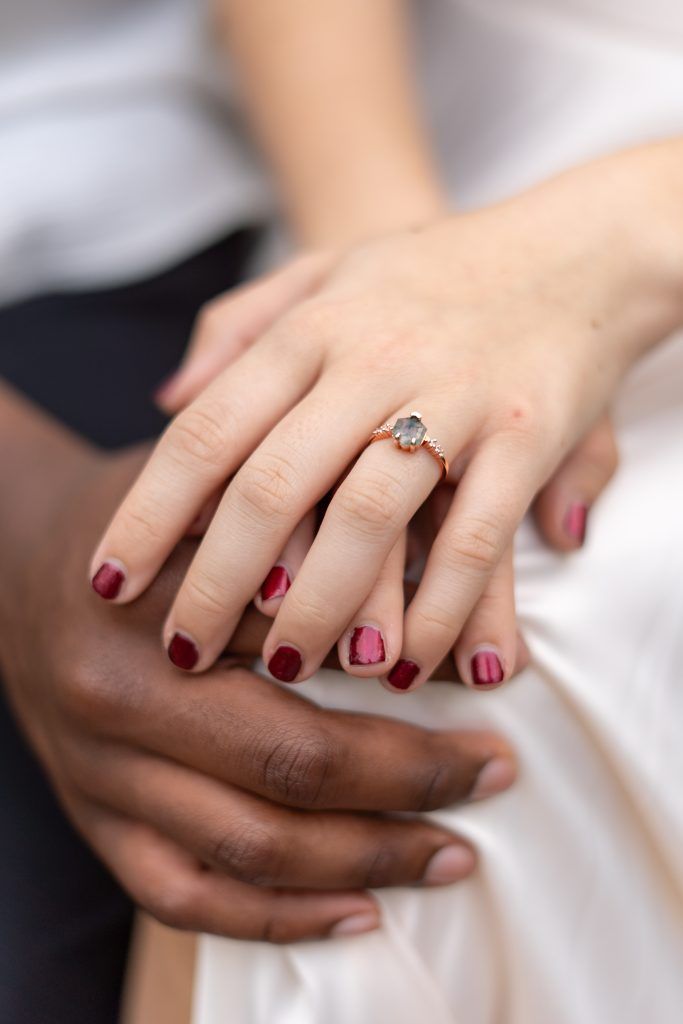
(107, 581)
(276, 583)
(486, 669)
(403, 673)
(183, 652)
(285, 663)
(366, 646)
(575, 522)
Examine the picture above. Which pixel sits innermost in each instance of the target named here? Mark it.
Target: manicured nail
(366, 646)
(496, 775)
(357, 924)
(575, 521)
(486, 669)
(285, 663)
(403, 673)
(108, 580)
(183, 652)
(276, 583)
(449, 864)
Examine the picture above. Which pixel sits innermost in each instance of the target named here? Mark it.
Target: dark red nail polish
(276, 583)
(403, 673)
(486, 669)
(285, 663)
(366, 646)
(183, 652)
(107, 581)
(575, 521)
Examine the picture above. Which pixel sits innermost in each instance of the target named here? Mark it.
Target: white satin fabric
(575, 915)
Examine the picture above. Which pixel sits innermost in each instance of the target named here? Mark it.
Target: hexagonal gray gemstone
(409, 431)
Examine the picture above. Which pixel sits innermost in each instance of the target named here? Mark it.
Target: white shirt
(120, 151)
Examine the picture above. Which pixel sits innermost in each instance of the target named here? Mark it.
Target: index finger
(250, 732)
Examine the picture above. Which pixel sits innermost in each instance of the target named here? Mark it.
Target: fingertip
(575, 522)
(487, 668)
(164, 395)
(109, 579)
(182, 651)
(402, 677)
(273, 589)
(357, 924)
(496, 776)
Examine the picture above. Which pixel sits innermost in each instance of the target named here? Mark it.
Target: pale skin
(525, 319)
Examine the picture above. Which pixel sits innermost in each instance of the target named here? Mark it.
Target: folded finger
(486, 650)
(562, 507)
(279, 579)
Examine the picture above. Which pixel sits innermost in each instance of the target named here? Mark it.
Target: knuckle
(382, 868)
(252, 854)
(200, 434)
(476, 546)
(297, 769)
(443, 782)
(524, 421)
(268, 486)
(318, 318)
(374, 508)
(95, 695)
(144, 523)
(277, 929)
(307, 607)
(206, 596)
(433, 623)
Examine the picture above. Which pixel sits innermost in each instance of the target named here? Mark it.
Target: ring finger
(365, 517)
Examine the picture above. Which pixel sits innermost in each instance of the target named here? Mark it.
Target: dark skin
(223, 803)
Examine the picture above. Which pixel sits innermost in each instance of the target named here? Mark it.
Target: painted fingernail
(487, 669)
(366, 646)
(276, 583)
(108, 580)
(449, 864)
(285, 663)
(575, 521)
(496, 775)
(183, 652)
(357, 924)
(403, 673)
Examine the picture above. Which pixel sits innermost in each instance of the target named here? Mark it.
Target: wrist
(357, 211)
(631, 209)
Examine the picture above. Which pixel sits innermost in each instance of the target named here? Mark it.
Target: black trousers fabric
(93, 360)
